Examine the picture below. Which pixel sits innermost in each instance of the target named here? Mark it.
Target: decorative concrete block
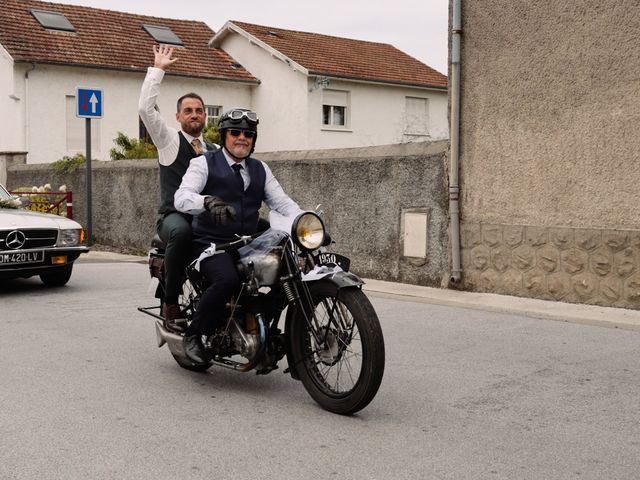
(524, 257)
(513, 235)
(634, 240)
(534, 282)
(601, 261)
(616, 240)
(585, 285)
(548, 258)
(511, 282)
(491, 235)
(574, 260)
(611, 289)
(561, 237)
(536, 236)
(480, 257)
(489, 280)
(558, 285)
(632, 289)
(624, 262)
(588, 239)
(501, 258)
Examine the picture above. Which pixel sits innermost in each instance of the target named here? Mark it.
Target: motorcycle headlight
(69, 237)
(308, 231)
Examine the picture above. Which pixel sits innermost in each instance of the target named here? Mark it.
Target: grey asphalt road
(467, 394)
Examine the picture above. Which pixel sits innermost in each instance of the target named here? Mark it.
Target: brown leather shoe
(172, 316)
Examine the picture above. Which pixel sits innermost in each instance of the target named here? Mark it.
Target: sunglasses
(240, 114)
(247, 133)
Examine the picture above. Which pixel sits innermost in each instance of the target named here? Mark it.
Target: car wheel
(58, 276)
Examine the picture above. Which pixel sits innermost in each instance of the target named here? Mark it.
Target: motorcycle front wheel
(341, 365)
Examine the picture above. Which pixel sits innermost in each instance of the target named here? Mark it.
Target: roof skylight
(52, 20)
(162, 34)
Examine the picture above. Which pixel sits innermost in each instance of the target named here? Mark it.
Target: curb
(99, 256)
(544, 309)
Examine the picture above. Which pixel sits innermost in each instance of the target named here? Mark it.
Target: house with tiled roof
(49, 49)
(319, 91)
(311, 91)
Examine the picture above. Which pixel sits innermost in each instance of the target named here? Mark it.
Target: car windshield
(4, 195)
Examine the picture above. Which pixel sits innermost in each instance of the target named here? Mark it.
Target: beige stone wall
(580, 265)
(550, 109)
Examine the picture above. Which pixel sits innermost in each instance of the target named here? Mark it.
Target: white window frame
(333, 102)
(211, 112)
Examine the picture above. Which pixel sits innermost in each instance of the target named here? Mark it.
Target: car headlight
(308, 231)
(69, 237)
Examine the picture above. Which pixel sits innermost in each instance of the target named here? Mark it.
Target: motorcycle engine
(245, 343)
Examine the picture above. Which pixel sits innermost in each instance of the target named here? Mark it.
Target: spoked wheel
(342, 363)
(188, 301)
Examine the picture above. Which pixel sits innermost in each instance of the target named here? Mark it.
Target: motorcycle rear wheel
(188, 302)
(342, 373)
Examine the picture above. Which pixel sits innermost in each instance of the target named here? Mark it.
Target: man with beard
(175, 151)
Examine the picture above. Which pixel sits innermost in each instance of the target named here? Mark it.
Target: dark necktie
(238, 176)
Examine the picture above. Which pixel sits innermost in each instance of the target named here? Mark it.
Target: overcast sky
(417, 27)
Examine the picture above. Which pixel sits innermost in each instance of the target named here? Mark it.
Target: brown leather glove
(221, 212)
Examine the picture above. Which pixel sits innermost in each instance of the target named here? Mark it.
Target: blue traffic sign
(88, 103)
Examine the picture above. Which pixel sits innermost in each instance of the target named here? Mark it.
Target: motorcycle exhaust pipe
(173, 341)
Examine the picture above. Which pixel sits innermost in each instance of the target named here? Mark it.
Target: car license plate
(16, 258)
(326, 258)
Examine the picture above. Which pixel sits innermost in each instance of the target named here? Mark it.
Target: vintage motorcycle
(332, 336)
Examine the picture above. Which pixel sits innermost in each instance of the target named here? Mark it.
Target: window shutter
(334, 97)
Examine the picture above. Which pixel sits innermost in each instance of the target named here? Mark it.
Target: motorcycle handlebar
(244, 240)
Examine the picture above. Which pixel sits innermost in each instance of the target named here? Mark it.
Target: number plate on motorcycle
(17, 258)
(326, 258)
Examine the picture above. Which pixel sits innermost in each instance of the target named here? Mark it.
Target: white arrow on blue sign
(88, 103)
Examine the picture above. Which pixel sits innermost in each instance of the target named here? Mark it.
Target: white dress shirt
(164, 137)
(189, 200)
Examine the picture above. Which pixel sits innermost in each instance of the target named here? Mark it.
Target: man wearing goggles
(224, 191)
(175, 151)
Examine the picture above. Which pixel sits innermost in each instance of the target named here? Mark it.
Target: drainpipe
(454, 185)
(26, 107)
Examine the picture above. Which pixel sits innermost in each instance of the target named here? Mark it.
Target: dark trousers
(221, 272)
(175, 230)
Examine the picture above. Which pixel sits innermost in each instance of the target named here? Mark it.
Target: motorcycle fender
(338, 281)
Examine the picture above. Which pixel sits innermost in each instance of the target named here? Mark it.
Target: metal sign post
(88, 106)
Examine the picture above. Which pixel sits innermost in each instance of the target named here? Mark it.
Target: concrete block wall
(8, 159)
(364, 192)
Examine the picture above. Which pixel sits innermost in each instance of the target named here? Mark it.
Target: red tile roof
(347, 58)
(111, 40)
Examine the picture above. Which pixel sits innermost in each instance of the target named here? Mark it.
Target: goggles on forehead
(237, 115)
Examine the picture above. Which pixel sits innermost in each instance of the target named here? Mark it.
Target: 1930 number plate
(324, 258)
(17, 258)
